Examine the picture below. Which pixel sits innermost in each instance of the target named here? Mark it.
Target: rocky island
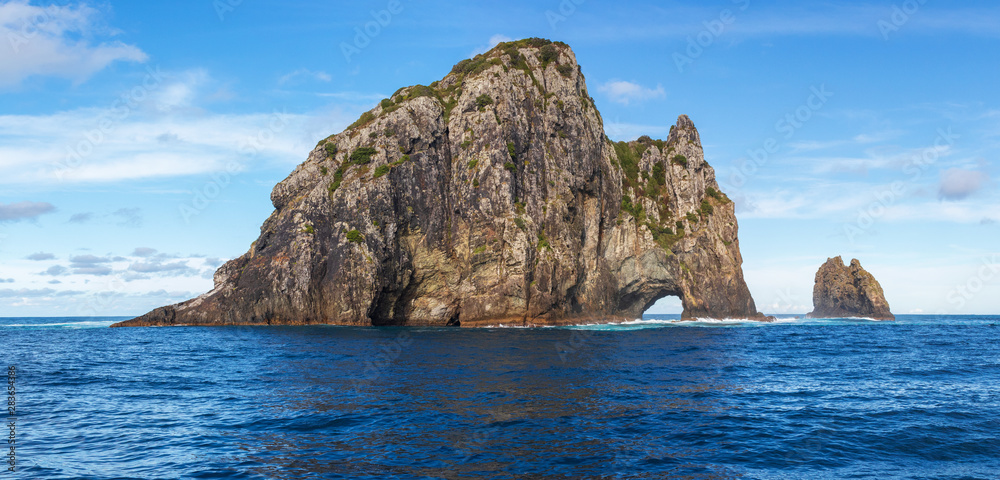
(848, 292)
(490, 197)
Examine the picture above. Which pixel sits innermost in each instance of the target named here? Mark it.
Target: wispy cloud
(81, 217)
(14, 212)
(55, 271)
(304, 74)
(90, 265)
(129, 217)
(494, 41)
(25, 292)
(175, 268)
(623, 92)
(783, 20)
(56, 41)
(620, 131)
(354, 97)
(43, 149)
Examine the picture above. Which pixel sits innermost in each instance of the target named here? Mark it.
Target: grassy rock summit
(490, 197)
(848, 291)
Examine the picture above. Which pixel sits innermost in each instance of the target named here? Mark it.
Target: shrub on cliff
(547, 55)
(331, 149)
(362, 155)
(365, 119)
(482, 101)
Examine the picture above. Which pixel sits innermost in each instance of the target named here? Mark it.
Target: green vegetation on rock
(365, 119)
(338, 178)
(706, 208)
(362, 155)
(719, 196)
(548, 54)
(331, 149)
(402, 160)
(543, 243)
(355, 236)
(637, 211)
(628, 158)
(483, 101)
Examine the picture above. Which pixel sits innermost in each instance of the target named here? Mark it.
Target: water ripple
(915, 398)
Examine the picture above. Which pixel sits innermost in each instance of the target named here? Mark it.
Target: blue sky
(139, 141)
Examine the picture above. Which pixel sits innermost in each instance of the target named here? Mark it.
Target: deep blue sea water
(918, 398)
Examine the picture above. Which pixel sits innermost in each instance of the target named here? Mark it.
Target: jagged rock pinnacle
(843, 292)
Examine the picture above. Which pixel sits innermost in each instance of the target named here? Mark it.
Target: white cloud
(166, 134)
(143, 276)
(627, 92)
(630, 131)
(304, 73)
(494, 41)
(56, 41)
(959, 184)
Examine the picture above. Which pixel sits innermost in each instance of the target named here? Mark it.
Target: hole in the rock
(669, 306)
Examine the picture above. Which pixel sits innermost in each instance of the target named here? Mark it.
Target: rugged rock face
(490, 197)
(843, 291)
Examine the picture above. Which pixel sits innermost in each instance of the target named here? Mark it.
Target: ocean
(918, 398)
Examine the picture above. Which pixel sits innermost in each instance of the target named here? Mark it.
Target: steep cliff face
(843, 291)
(490, 197)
